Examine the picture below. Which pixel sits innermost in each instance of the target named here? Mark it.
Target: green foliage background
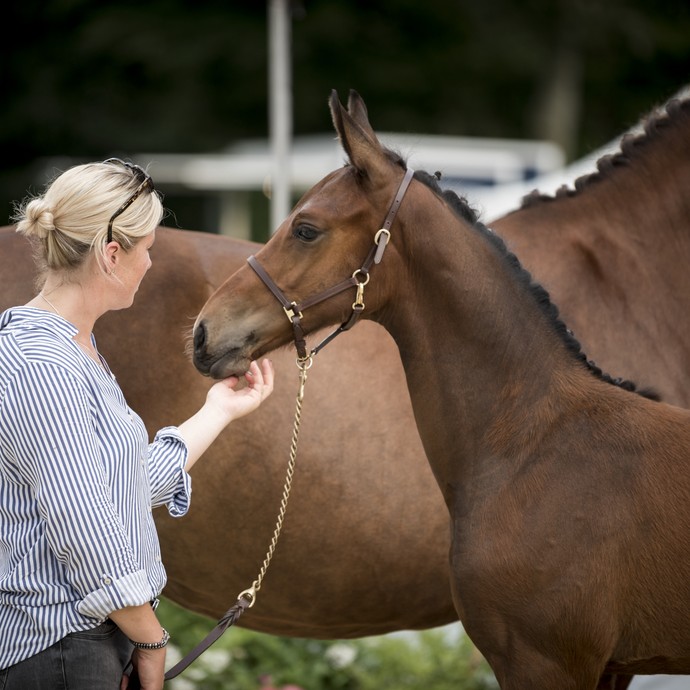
(246, 660)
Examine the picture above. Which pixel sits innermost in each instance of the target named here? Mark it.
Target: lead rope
(304, 364)
(247, 598)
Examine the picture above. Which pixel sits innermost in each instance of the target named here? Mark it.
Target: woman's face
(134, 264)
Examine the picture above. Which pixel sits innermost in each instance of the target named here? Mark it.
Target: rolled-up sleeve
(130, 590)
(171, 485)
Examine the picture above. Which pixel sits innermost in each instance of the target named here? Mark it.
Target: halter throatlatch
(358, 279)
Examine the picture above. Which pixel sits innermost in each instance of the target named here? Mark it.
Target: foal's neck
(479, 351)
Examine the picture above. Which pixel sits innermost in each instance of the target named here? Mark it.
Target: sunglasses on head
(146, 183)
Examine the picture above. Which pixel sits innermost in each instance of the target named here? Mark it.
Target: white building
(234, 186)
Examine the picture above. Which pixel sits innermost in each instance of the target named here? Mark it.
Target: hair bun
(38, 220)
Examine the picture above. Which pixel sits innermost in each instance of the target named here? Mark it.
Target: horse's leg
(548, 679)
(614, 682)
(530, 670)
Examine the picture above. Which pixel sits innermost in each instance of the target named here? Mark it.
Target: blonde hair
(70, 219)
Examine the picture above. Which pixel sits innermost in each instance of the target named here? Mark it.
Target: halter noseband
(358, 279)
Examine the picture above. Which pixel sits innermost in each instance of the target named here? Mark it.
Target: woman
(79, 556)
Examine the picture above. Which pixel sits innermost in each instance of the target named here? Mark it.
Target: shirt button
(107, 581)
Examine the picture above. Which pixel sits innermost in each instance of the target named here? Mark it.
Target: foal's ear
(358, 111)
(356, 134)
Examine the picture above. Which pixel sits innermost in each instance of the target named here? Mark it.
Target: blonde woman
(80, 565)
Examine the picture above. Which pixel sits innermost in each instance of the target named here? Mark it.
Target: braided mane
(461, 207)
(632, 145)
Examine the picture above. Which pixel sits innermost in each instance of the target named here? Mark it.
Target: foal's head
(324, 241)
(330, 238)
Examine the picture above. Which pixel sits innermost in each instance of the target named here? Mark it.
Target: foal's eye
(306, 233)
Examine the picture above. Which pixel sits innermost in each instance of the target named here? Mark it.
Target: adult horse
(337, 570)
(349, 563)
(566, 492)
(613, 252)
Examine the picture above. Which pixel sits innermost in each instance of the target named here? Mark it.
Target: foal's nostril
(200, 339)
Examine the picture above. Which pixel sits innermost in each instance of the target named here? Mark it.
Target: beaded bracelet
(153, 645)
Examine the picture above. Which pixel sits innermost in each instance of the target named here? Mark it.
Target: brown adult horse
(360, 567)
(613, 252)
(567, 493)
(337, 570)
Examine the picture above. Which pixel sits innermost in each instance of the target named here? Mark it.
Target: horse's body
(613, 253)
(567, 493)
(350, 561)
(337, 570)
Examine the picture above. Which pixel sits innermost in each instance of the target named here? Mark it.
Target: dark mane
(464, 211)
(631, 145)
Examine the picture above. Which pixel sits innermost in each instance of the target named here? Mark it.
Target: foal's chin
(229, 364)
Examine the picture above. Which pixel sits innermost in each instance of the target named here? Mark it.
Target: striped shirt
(78, 480)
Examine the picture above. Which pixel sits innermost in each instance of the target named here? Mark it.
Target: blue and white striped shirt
(78, 479)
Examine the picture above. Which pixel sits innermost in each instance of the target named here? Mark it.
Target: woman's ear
(111, 256)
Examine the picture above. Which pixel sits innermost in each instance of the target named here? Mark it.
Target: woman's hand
(149, 665)
(237, 403)
(223, 405)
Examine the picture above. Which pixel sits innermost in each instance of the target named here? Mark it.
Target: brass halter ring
(358, 304)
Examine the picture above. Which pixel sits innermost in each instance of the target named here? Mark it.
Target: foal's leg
(614, 682)
(529, 670)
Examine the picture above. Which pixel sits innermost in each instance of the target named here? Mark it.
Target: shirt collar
(31, 317)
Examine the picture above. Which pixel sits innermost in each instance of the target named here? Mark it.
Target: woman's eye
(305, 233)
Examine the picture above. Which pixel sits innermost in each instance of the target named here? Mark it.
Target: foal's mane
(632, 145)
(461, 207)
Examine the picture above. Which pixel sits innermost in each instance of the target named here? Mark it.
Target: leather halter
(359, 279)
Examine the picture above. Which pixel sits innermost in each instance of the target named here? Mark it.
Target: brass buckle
(292, 312)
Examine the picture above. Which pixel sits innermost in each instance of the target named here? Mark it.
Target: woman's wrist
(138, 623)
(165, 638)
(216, 414)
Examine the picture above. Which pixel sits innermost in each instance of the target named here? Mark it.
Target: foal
(568, 493)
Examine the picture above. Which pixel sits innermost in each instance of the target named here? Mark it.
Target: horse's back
(613, 253)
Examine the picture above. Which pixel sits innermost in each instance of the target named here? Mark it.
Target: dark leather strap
(294, 310)
(229, 617)
(268, 281)
(327, 294)
(393, 210)
(310, 301)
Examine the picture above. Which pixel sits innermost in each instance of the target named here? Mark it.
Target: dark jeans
(89, 660)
